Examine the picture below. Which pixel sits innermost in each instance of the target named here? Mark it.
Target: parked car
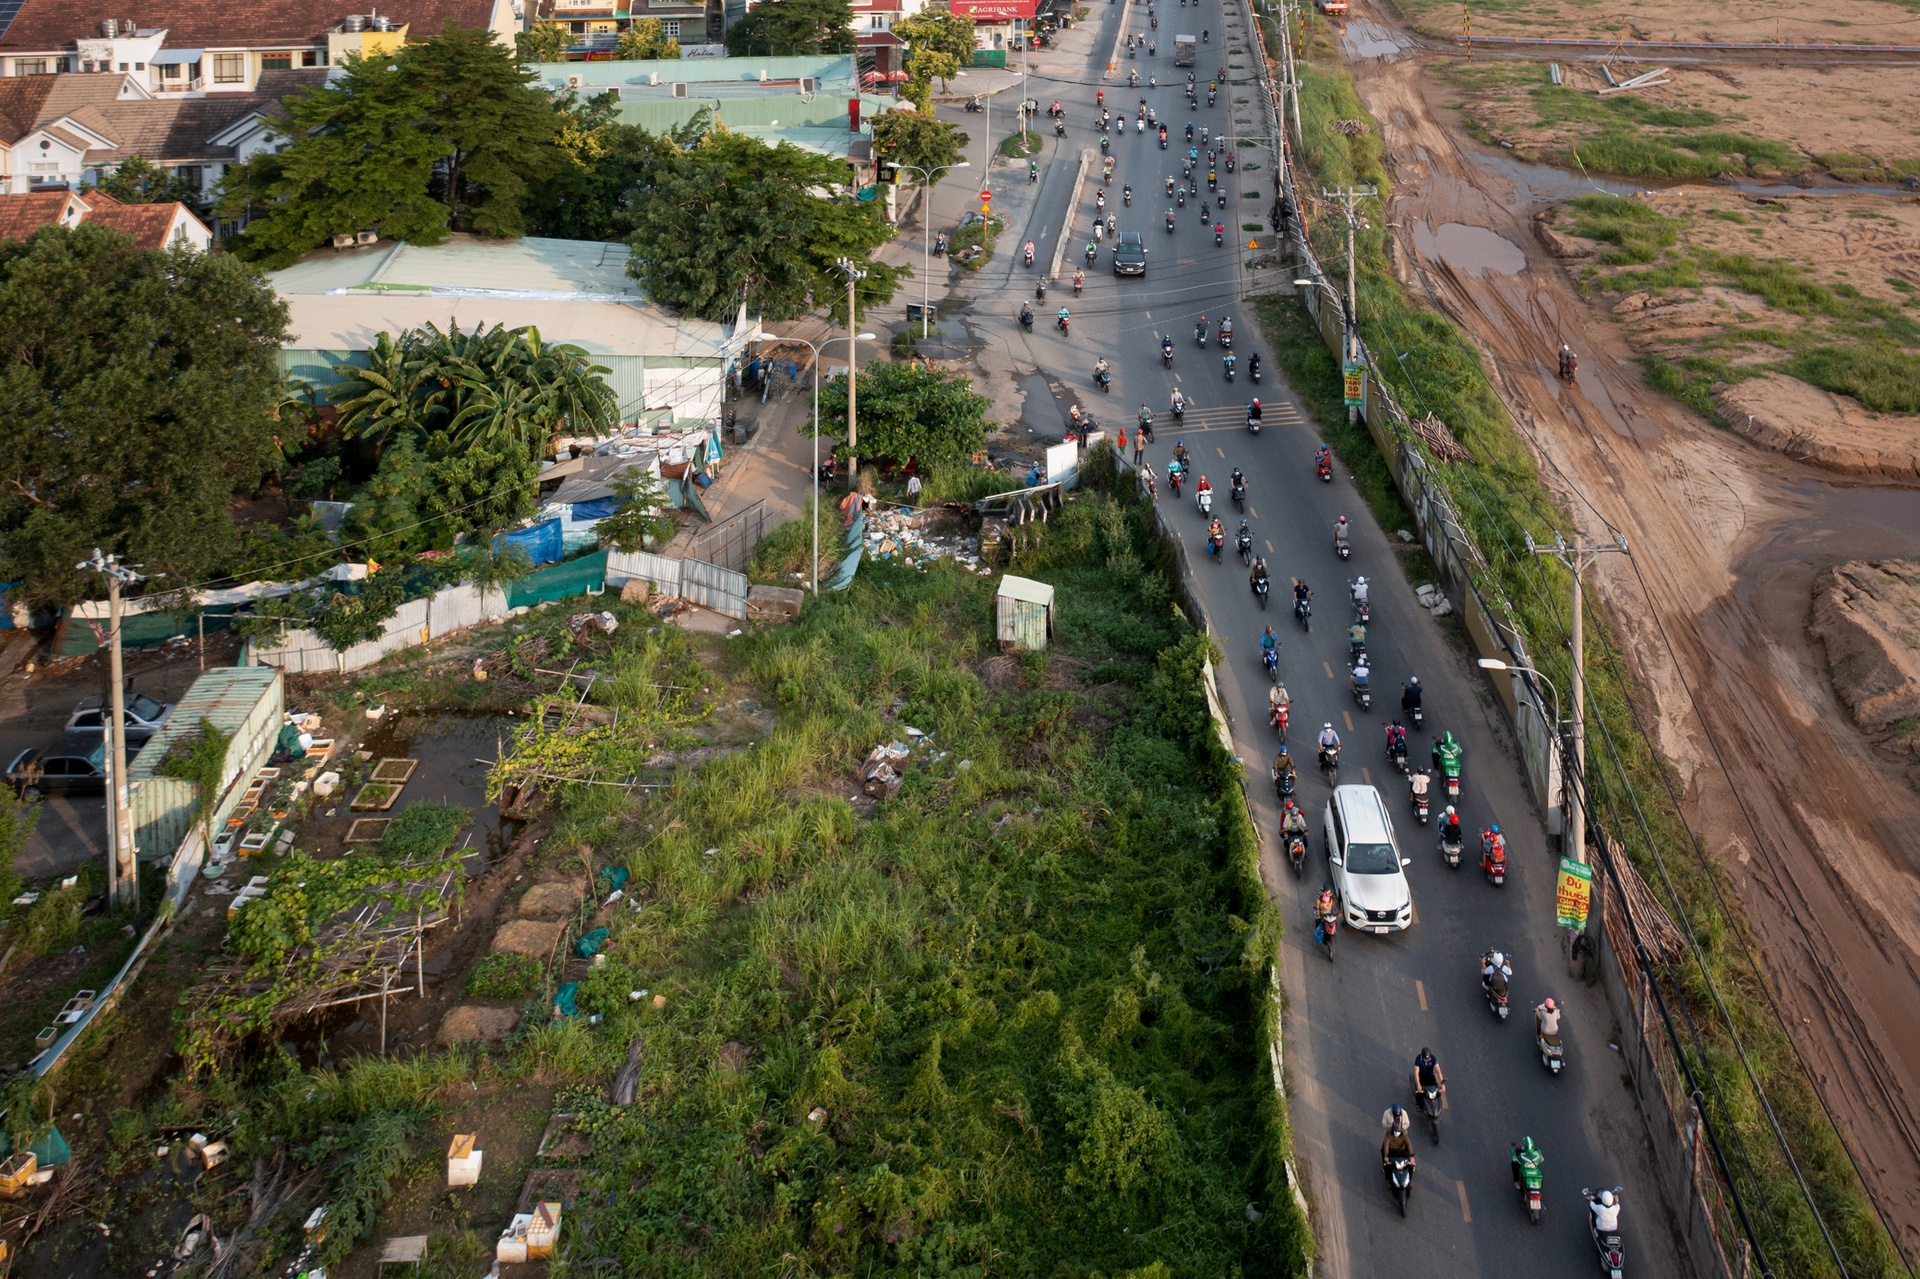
(144, 716)
(75, 764)
(1369, 874)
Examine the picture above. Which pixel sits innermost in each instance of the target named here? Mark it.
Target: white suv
(1368, 871)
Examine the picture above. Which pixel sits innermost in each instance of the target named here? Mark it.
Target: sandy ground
(1822, 429)
(1845, 110)
(1864, 22)
(1815, 834)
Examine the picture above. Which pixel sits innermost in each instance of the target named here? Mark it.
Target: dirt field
(1746, 21)
(1854, 122)
(1817, 834)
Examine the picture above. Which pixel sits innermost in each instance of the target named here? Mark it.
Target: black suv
(1130, 255)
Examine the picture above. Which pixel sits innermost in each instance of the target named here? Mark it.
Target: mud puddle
(1472, 249)
(1364, 39)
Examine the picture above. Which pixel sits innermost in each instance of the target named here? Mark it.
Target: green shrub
(1783, 284)
(1881, 376)
(1638, 229)
(423, 830)
(504, 976)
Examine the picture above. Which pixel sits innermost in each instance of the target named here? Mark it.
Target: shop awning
(173, 57)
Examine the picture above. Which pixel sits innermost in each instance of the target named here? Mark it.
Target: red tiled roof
(22, 215)
(225, 24)
(164, 130)
(146, 224)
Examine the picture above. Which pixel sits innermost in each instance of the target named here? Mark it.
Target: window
(30, 66)
(40, 166)
(123, 66)
(309, 57)
(229, 68)
(878, 22)
(276, 62)
(671, 30)
(170, 71)
(139, 66)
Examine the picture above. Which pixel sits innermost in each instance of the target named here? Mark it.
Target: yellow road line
(1329, 669)
(1466, 1213)
(1347, 716)
(1420, 989)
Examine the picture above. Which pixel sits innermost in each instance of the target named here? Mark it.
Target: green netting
(561, 581)
(139, 630)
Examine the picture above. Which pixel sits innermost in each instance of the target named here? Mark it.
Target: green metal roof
(226, 695)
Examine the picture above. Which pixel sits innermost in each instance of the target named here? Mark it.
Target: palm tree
(382, 397)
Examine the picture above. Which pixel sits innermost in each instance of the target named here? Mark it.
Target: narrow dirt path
(1726, 539)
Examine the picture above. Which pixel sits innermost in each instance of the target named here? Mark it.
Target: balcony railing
(183, 86)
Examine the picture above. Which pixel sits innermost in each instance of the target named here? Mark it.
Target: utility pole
(854, 276)
(122, 869)
(1578, 559)
(1349, 198)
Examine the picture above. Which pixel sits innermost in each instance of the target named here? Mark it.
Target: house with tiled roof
(207, 48)
(61, 130)
(149, 226)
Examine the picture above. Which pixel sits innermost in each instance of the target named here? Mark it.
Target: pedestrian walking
(1139, 446)
(1123, 441)
(913, 490)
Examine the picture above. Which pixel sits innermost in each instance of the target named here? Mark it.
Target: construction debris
(1646, 80)
(1347, 128)
(1434, 600)
(1440, 440)
(907, 535)
(605, 623)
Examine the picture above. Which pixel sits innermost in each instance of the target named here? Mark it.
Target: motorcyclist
(1417, 783)
(1169, 184)
(1396, 740)
(1293, 821)
(1243, 538)
(1606, 1212)
(1322, 906)
(1546, 1018)
(1180, 454)
(1200, 331)
(1426, 1071)
(1356, 639)
(1063, 318)
(1146, 422)
(1204, 486)
(1080, 282)
(1493, 843)
(1359, 592)
(1102, 372)
(1237, 482)
(1446, 752)
(1033, 170)
(1226, 330)
(1253, 411)
(1449, 825)
(1395, 1119)
(1268, 641)
(1026, 314)
(1300, 592)
(1189, 130)
(1259, 573)
(1324, 458)
(1126, 194)
(1253, 366)
(1216, 536)
(1282, 767)
(1396, 1146)
(1340, 531)
(1526, 1158)
(1410, 694)
(1328, 741)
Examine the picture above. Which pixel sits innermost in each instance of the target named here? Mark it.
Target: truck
(1333, 6)
(1184, 50)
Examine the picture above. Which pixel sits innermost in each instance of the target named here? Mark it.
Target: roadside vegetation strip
(1499, 497)
(1013, 1015)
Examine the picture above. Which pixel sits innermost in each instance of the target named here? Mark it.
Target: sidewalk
(774, 466)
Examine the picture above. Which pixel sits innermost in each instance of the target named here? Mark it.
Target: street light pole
(926, 225)
(122, 870)
(1578, 559)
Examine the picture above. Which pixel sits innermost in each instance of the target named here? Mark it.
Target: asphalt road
(1353, 1025)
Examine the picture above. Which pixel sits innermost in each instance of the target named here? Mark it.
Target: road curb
(1113, 53)
(1073, 202)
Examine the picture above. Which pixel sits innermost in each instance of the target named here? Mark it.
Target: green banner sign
(1573, 894)
(1356, 378)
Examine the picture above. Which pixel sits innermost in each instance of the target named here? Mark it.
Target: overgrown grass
(1011, 1020)
(1639, 230)
(1499, 497)
(504, 976)
(1881, 376)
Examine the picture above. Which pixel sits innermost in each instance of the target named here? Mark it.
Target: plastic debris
(589, 945)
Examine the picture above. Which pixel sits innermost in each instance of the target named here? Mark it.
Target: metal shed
(1023, 614)
(245, 702)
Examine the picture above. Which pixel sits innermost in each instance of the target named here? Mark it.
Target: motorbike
(1450, 775)
(940, 245)
(1061, 324)
(1362, 695)
(1079, 283)
(1182, 195)
(1226, 337)
(1059, 128)
(1531, 1185)
(976, 103)
(1397, 753)
(1400, 1180)
(1253, 369)
(1277, 718)
(1239, 494)
(1216, 542)
(1422, 808)
(1270, 660)
(1260, 593)
(1166, 345)
(1027, 253)
(1362, 609)
(1163, 139)
(1297, 852)
(1230, 164)
(1169, 221)
(1219, 236)
(1495, 989)
(1430, 1107)
(1450, 849)
(1105, 142)
(1026, 317)
(1092, 253)
(1180, 408)
(1226, 362)
(1200, 334)
(1245, 543)
(1204, 500)
(1342, 547)
(1139, 126)
(1325, 924)
(1303, 613)
(1330, 762)
(1415, 714)
(1493, 861)
(1283, 785)
(1213, 180)
(1099, 201)
(1552, 1052)
(1612, 1251)
(1324, 469)
(1103, 379)
(1040, 288)
(1127, 196)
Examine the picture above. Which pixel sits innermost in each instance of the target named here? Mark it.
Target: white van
(1369, 875)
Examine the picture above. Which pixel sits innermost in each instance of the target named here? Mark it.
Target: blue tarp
(541, 543)
(598, 509)
(6, 613)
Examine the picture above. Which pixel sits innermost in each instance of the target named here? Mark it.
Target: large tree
(451, 133)
(917, 140)
(910, 412)
(135, 181)
(141, 390)
(645, 41)
(732, 219)
(779, 28)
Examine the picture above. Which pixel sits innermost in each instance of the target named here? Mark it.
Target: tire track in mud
(1831, 884)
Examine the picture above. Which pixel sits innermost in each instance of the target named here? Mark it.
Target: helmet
(1527, 1146)
(1549, 1004)
(1606, 1198)
(1413, 679)
(1283, 750)
(1343, 519)
(1496, 828)
(1450, 812)
(1328, 724)
(1256, 401)
(1361, 581)
(1398, 1110)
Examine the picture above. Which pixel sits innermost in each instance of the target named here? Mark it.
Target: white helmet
(1606, 1198)
(1361, 582)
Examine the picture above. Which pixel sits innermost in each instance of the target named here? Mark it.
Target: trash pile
(1434, 600)
(905, 534)
(886, 764)
(605, 623)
